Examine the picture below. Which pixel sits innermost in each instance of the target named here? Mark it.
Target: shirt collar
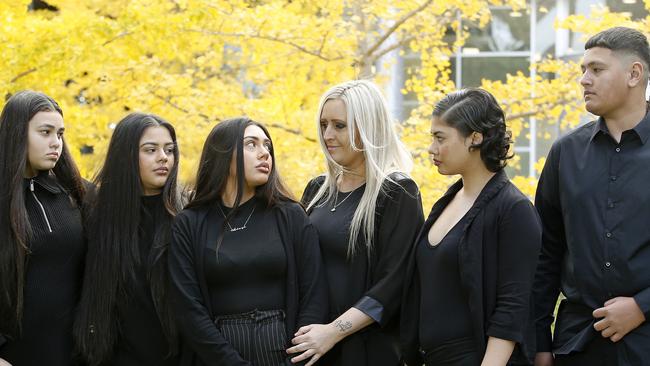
(642, 129)
(599, 126)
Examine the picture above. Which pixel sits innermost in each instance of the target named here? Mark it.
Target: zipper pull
(31, 184)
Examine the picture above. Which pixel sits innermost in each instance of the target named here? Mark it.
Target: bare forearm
(350, 322)
(314, 340)
(498, 352)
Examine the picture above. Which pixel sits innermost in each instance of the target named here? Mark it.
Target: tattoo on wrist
(343, 326)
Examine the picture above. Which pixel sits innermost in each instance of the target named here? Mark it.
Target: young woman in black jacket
(124, 318)
(367, 212)
(41, 240)
(245, 263)
(467, 300)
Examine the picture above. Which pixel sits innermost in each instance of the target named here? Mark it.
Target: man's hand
(544, 359)
(620, 316)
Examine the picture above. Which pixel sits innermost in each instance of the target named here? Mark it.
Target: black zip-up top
(54, 270)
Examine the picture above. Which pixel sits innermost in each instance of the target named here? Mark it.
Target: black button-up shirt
(594, 201)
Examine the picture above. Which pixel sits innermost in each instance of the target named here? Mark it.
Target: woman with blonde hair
(367, 212)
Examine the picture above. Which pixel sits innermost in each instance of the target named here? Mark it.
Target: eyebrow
(593, 63)
(333, 120)
(256, 138)
(155, 144)
(47, 125)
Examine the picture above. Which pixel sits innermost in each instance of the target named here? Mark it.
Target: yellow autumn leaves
(197, 62)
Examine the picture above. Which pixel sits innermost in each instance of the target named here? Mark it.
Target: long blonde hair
(384, 153)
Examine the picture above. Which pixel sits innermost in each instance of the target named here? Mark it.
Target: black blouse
(448, 320)
(345, 289)
(371, 281)
(306, 290)
(53, 277)
(497, 258)
(142, 341)
(250, 268)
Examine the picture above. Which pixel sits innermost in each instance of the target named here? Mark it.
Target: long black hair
(113, 248)
(226, 139)
(15, 230)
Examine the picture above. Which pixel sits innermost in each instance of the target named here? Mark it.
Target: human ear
(477, 138)
(636, 74)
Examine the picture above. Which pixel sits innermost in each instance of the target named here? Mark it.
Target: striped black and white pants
(259, 336)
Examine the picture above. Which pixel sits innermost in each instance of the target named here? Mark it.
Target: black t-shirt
(249, 271)
(444, 312)
(346, 287)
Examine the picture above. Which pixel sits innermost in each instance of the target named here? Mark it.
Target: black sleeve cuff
(370, 307)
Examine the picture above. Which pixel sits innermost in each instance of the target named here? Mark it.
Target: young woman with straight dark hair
(41, 239)
(467, 298)
(124, 317)
(245, 262)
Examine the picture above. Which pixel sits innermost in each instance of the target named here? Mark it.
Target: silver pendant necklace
(336, 197)
(343, 200)
(233, 229)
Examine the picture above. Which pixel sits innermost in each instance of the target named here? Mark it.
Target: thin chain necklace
(336, 197)
(233, 229)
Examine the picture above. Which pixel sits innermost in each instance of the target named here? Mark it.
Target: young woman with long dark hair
(124, 317)
(41, 239)
(245, 263)
(367, 212)
(467, 298)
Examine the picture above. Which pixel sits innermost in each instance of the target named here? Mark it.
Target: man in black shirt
(594, 201)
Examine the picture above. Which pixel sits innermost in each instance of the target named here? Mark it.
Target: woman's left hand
(313, 341)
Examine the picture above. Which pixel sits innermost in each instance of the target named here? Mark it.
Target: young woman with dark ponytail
(41, 239)
(469, 280)
(124, 318)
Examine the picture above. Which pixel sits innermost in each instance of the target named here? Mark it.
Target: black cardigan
(306, 291)
(398, 217)
(497, 257)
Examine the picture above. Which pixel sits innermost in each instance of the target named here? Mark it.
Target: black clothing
(54, 271)
(333, 234)
(249, 271)
(599, 352)
(373, 279)
(306, 291)
(258, 336)
(141, 341)
(440, 276)
(594, 202)
(497, 257)
(456, 352)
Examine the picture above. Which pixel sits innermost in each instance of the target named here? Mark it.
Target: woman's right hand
(4, 363)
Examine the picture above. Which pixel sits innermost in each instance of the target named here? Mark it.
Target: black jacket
(54, 272)
(398, 217)
(497, 258)
(306, 303)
